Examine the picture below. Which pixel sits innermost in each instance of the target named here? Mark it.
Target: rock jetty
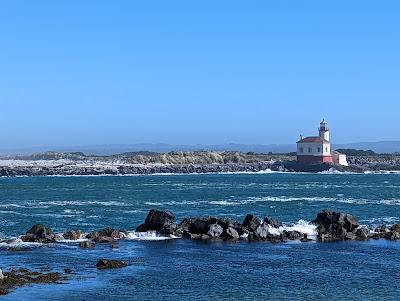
(329, 226)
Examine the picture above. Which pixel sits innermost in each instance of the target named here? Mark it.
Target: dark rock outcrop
(272, 222)
(251, 222)
(39, 233)
(230, 234)
(72, 235)
(103, 264)
(336, 226)
(395, 228)
(215, 231)
(105, 235)
(157, 220)
(87, 244)
(19, 277)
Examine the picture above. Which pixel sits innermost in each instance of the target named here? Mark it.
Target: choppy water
(181, 270)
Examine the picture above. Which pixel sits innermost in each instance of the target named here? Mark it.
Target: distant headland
(145, 162)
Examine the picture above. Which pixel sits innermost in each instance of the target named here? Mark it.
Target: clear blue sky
(185, 72)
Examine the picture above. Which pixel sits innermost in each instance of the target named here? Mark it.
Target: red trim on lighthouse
(314, 159)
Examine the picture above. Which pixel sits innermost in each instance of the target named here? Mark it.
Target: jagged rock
(326, 218)
(350, 236)
(262, 232)
(105, 235)
(157, 220)
(381, 229)
(39, 233)
(251, 222)
(72, 235)
(292, 235)
(395, 228)
(103, 264)
(272, 222)
(305, 238)
(276, 238)
(394, 235)
(362, 233)
(231, 234)
(215, 231)
(87, 244)
(199, 226)
(185, 224)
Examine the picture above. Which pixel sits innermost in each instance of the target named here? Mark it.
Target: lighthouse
(324, 130)
(317, 149)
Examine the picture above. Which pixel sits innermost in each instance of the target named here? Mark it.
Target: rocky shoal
(329, 226)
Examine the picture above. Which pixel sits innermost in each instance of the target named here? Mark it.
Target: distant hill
(377, 147)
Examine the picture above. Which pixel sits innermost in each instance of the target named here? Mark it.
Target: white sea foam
(149, 235)
(224, 203)
(301, 226)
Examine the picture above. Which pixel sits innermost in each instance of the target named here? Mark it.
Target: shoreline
(29, 168)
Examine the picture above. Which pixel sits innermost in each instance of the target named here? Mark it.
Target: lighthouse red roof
(312, 140)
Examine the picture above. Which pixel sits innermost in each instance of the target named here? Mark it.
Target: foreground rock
(103, 264)
(87, 244)
(334, 226)
(39, 233)
(19, 277)
(161, 221)
(106, 235)
(72, 235)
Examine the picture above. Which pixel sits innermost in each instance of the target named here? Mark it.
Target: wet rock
(200, 226)
(272, 222)
(262, 232)
(305, 238)
(103, 264)
(68, 271)
(231, 234)
(362, 233)
(326, 218)
(105, 235)
(394, 235)
(335, 226)
(276, 238)
(350, 236)
(87, 244)
(395, 228)
(157, 220)
(72, 235)
(19, 277)
(215, 231)
(39, 233)
(185, 224)
(194, 236)
(251, 222)
(292, 235)
(381, 229)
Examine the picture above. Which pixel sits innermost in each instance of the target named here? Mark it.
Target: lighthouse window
(326, 149)
(301, 149)
(319, 149)
(309, 149)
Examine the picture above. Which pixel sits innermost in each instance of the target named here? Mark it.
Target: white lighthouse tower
(324, 130)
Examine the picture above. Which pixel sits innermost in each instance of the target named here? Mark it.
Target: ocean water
(176, 269)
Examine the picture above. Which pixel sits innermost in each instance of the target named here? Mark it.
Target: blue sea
(177, 269)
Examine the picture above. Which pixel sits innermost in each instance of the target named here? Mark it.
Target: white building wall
(317, 149)
(325, 135)
(340, 159)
